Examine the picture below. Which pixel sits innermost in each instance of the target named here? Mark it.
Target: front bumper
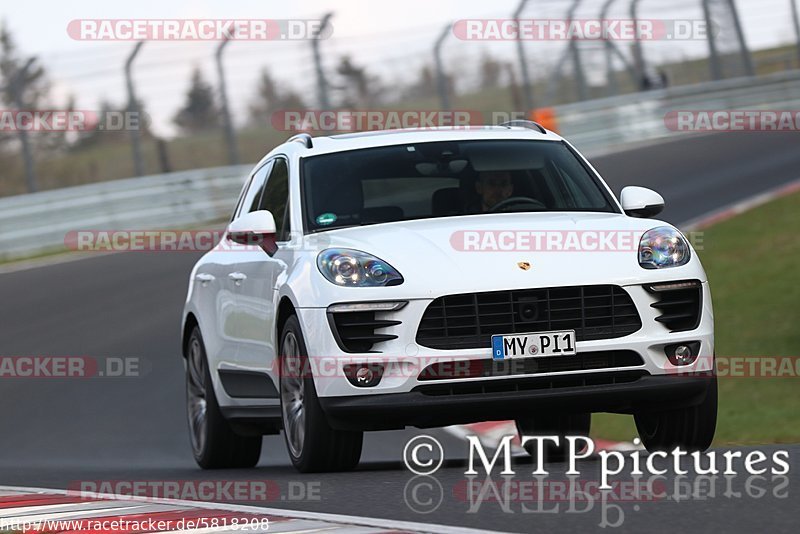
(626, 392)
(407, 359)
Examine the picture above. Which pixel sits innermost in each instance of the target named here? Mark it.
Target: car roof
(372, 139)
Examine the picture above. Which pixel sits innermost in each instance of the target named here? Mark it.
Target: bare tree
(358, 89)
(200, 112)
(490, 72)
(269, 98)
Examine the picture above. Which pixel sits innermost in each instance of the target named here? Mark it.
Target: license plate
(561, 343)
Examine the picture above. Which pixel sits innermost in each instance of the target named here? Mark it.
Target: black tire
(321, 448)
(560, 425)
(214, 443)
(691, 429)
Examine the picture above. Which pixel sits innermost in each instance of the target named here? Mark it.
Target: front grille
(356, 331)
(530, 384)
(527, 366)
(679, 304)
(468, 321)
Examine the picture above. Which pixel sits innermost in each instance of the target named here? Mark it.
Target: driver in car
(493, 187)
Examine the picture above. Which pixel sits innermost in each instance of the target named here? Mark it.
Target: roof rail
(302, 138)
(531, 125)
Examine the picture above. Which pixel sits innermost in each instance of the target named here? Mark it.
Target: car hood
(491, 252)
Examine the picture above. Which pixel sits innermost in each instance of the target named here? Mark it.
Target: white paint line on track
(47, 261)
(57, 508)
(345, 521)
(300, 525)
(113, 508)
(216, 531)
(69, 256)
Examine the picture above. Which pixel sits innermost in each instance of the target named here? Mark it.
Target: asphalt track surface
(56, 432)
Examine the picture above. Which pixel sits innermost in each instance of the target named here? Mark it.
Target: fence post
(442, 84)
(713, 54)
(527, 89)
(747, 59)
(17, 88)
(613, 88)
(322, 82)
(133, 107)
(796, 24)
(577, 65)
(227, 121)
(638, 55)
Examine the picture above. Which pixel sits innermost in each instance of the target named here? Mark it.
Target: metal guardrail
(607, 124)
(37, 223)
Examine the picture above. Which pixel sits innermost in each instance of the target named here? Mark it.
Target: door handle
(237, 278)
(204, 278)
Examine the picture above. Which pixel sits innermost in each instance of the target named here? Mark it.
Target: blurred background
(378, 56)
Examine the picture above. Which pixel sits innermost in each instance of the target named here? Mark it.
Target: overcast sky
(392, 38)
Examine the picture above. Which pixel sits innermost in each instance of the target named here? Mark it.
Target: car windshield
(446, 179)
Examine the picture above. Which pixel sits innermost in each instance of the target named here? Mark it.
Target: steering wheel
(513, 201)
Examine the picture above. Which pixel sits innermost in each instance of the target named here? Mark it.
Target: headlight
(353, 268)
(663, 247)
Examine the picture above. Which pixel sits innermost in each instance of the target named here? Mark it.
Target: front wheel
(214, 443)
(691, 429)
(312, 444)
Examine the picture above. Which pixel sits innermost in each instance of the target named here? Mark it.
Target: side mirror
(254, 228)
(641, 202)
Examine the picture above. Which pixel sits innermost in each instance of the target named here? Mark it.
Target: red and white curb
(82, 511)
(491, 432)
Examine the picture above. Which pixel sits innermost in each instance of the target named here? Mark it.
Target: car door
(232, 280)
(258, 346)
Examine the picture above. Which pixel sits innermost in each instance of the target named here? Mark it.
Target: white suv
(426, 278)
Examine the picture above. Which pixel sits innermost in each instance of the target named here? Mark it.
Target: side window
(251, 197)
(241, 198)
(276, 197)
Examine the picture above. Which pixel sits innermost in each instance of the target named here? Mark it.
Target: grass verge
(752, 264)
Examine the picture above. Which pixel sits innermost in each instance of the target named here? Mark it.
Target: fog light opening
(682, 354)
(364, 375)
